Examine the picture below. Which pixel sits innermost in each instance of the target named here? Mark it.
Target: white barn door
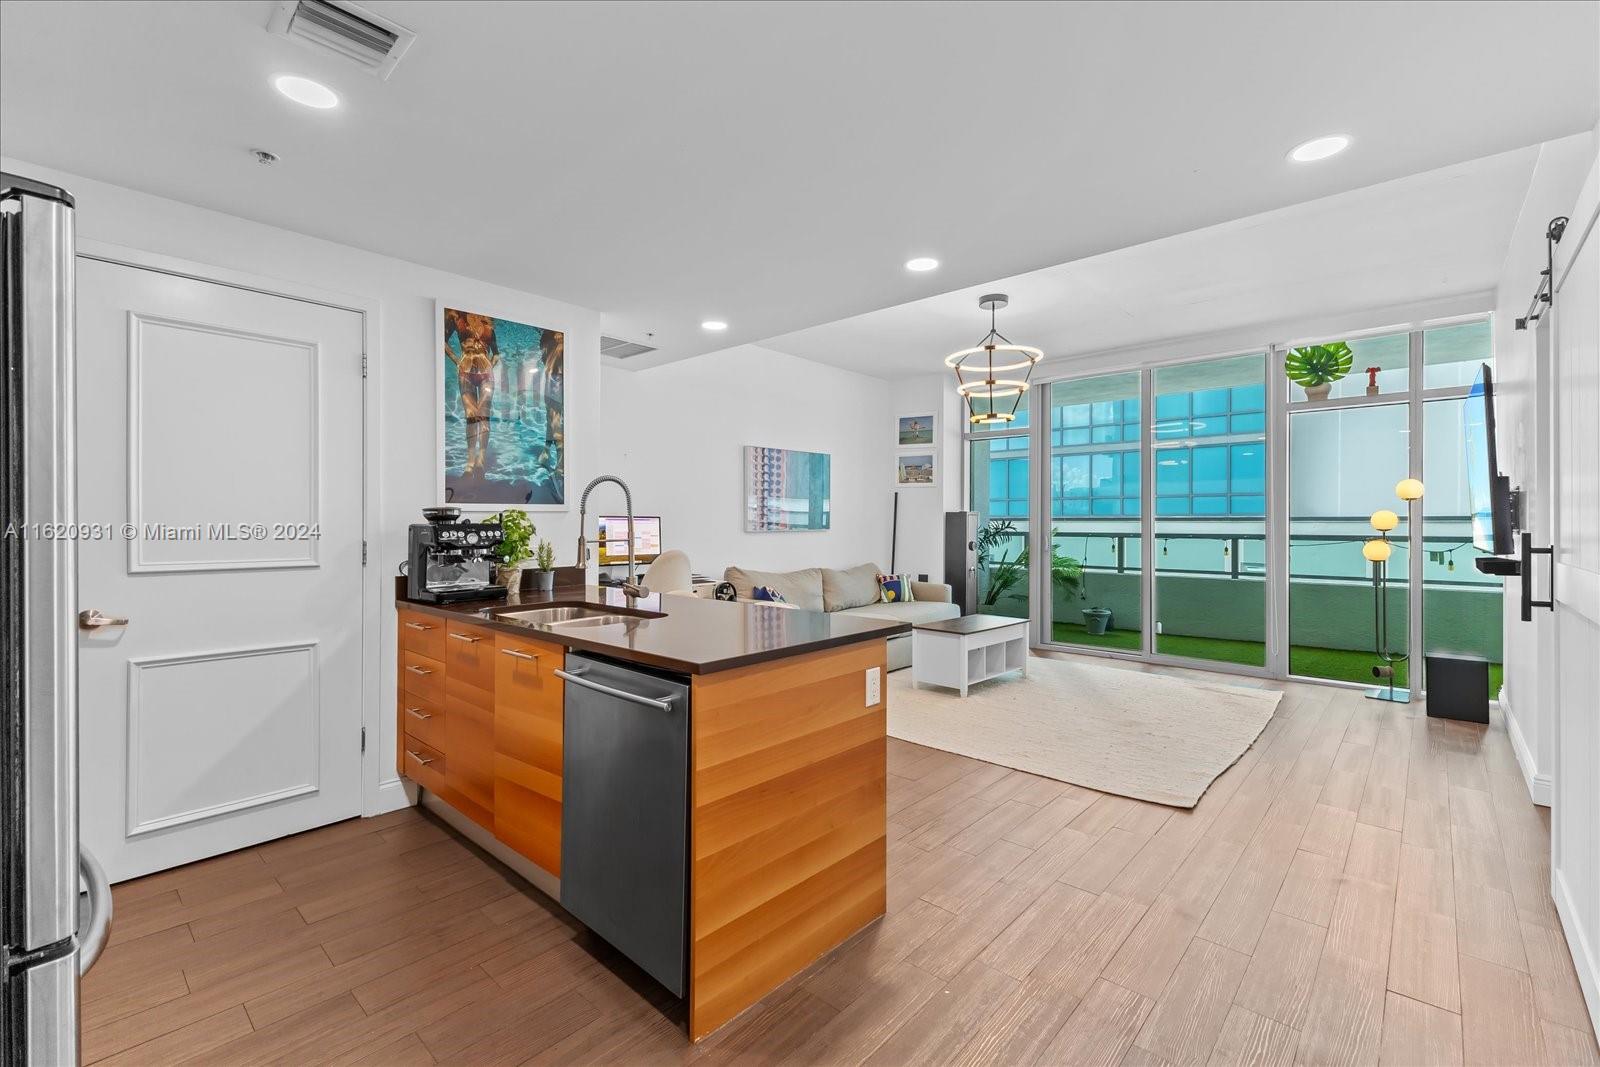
(223, 428)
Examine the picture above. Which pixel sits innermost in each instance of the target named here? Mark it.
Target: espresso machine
(449, 560)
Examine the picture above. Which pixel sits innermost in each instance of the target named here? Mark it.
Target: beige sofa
(851, 592)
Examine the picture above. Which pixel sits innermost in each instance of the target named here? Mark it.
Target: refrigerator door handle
(92, 940)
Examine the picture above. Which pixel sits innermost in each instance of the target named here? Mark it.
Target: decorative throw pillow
(896, 588)
(767, 593)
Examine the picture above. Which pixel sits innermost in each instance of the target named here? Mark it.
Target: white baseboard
(1538, 784)
(1584, 960)
(390, 796)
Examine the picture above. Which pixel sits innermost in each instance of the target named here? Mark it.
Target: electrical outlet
(874, 686)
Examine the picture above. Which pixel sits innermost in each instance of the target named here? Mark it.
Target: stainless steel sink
(567, 616)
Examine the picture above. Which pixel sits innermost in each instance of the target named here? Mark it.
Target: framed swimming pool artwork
(786, 491)
(502, 411)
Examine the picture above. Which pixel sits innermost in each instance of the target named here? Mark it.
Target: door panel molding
(137, 561)
(138, 668)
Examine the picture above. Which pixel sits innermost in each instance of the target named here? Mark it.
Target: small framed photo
(916, 431)
(915, 468)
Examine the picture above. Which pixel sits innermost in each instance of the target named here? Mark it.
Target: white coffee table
(957, 653)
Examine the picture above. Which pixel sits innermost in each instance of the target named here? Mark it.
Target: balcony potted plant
(516, 533)
(544, 567)
(1317, 367)
(1096, 620)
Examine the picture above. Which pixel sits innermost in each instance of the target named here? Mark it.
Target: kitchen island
(762, 851)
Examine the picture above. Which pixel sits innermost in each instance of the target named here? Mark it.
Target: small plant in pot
(516, 541)
(544, 567)
(1317, 367)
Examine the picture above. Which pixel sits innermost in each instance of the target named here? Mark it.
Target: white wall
(676, 434)
(406, 362)
(922, 510)
(1557, 177)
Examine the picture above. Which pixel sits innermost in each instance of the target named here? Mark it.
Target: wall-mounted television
(1488, 491)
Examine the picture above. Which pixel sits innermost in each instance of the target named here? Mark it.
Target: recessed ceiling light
(1320, 148)
(305, 91)
(713, 325)
(922, 263)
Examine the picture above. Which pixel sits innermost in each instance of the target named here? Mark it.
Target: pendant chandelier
(986, 373)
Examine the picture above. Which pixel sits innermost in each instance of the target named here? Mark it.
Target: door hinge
(363, 366)
(363, 739)
(363, 553)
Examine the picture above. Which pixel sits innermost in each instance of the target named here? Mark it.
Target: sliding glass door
(1215, 510)
(1095, 499)
(1209, 443)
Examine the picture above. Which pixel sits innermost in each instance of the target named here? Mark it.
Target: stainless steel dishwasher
(625, 812)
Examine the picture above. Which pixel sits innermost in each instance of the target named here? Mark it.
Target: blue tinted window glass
(1210, 505)
(1130, 431)
(1130, 505)
(1250, 398)
(1208, 425)
(1211, 402)
(1248, 505)
(1130, 474)
(1105, 507)
(1018, 485)
(1074, 476)
(1172, 505)
(1075, 437)
(1074, 415)
(1074, 507)
(1249, 468)
(1106, 474)
(1106, 411)
(1210, 469)
(1105, 434)
(1172, 406)
(1252, 423)
(1172, 474)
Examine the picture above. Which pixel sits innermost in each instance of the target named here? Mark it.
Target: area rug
(1147, 736)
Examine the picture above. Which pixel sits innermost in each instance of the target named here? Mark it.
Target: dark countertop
(691, 635)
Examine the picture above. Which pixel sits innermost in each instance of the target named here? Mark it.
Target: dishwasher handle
(576, 678)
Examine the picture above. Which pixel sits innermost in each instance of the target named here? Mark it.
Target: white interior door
(219, 442)
(1575, 533)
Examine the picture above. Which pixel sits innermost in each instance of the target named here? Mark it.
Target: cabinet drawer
(469, 661)
(423, 634)
(527, 811)
(528, 702)
(421, 676)
(423, 719)
(423, 764)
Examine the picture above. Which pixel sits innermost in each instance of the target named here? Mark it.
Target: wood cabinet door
(527, 739)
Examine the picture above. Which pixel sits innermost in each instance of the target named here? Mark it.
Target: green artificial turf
(1333, 663)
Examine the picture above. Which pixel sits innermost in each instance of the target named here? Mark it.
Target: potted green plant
(1004, 572)
(516, 540)
(1096, 620)
(544, 567)
(1317, 367)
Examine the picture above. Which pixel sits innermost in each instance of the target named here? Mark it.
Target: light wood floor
(1366, 885)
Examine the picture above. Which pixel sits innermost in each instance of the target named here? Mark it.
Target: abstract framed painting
(502, 411)
(786, 491)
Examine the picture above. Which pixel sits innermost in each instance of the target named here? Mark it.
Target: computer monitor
(614, 539)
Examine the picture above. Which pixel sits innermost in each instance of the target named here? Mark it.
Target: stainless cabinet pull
(465, 637)
(417, 670)
(418, 757)
(517, 655)
(419, 714)
(417, 626)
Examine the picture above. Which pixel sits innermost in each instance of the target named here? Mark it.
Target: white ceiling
(773, 164)
(1425, 237)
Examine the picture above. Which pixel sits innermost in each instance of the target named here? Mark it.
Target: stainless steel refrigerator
(51, 930)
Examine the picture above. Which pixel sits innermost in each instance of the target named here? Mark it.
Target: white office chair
(669, 573)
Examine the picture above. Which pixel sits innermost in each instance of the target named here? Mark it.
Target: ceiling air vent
(372, 42)
(616, 348)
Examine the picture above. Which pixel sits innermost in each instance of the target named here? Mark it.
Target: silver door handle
(465, 637)
(417, 626)
(419, 757)
(620, 694)
(417, 670)
(515, 654)
(90, 619)
(93, 940)
(417, 713)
